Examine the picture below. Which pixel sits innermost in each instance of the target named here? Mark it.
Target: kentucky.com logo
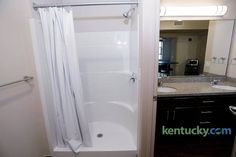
(196, 131)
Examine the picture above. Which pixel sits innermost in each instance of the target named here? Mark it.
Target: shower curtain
(62, 63)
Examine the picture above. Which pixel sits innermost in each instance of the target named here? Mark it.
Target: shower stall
(106, 38)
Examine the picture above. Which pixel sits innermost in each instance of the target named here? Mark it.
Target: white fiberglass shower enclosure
(107, 53)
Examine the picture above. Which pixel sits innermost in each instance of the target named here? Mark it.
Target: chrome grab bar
(25, 79)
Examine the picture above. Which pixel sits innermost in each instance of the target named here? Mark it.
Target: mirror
(194, 47)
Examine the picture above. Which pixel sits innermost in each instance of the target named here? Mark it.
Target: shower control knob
(133, 77)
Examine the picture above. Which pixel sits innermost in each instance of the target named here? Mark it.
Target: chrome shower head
(126, 14)
(129, 13)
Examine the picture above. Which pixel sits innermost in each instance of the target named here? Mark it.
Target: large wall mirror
(194, 47)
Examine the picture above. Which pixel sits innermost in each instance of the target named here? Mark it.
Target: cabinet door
(185, 116)
(163, 116)
(223, 117)
(206, 116)
(220, 117)
(162, 119)
(208, 112)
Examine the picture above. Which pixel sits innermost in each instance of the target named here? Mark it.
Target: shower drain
(99, 135)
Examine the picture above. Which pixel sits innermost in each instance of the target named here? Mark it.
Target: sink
(166, 89)
(224, 87)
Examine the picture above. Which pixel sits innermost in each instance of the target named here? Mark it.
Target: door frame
(148, 42)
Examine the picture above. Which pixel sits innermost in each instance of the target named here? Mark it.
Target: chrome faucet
(215, 82)
(160, 82)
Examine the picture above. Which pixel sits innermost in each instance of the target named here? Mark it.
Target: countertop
(196, 89)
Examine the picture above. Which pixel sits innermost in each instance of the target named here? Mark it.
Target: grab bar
(25, 79)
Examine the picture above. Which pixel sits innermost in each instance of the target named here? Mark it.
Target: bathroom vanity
(188, 102)
(195, 105)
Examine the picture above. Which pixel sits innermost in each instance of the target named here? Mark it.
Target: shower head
(126, 14)
(129, 13)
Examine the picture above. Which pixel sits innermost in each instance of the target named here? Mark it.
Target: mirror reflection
(190, 47)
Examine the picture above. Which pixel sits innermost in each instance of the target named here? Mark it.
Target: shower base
(109, 136)
(109, 140)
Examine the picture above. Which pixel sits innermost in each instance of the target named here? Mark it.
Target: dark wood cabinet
(191, 112)
(185, 116)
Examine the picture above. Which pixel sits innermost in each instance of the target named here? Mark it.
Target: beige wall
(183, 49)
(187, 25)
(188, 50)
(22, 132)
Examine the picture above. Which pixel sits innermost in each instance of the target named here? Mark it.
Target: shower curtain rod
(36, 6)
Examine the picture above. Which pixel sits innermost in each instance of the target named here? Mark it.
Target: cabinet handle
(173, 115)
(206, 112)
(167, 117)
(233, 109)
(207, 122)
(208, 101)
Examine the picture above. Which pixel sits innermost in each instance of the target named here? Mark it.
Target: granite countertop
(196, 89)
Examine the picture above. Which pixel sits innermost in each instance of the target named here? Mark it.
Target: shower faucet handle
(215, 82)
(133, 77)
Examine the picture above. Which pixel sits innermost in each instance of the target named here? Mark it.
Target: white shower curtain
(62, 64)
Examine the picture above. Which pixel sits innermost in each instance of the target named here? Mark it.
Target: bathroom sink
(166, 89)
(224, 87)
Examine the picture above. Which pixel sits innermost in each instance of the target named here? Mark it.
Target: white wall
(231, 72)
(103, 44)
(107, 45)
(22, 132)
(134, 64)
(218, 46)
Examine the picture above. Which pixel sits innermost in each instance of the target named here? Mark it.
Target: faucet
(160, 82)
(215, 82)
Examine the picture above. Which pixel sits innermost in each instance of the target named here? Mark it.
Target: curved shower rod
(36, 6)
